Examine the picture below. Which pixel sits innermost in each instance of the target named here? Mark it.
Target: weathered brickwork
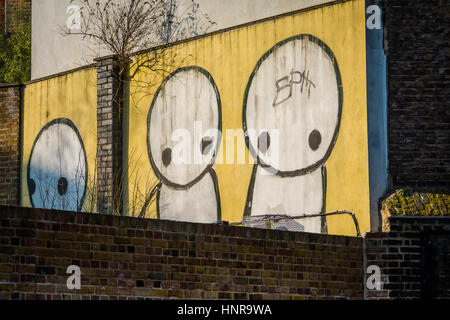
(9, 144)
(109, 136)
(130, 258)
(412, 257)
(418, 71)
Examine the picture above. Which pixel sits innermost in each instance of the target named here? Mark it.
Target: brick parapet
(131, 258)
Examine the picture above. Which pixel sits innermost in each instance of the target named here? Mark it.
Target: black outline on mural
(72, 125)
(251, 187)
(324, 226)
(158, 193)
(209, 168)
(216, 189)
(313, 167)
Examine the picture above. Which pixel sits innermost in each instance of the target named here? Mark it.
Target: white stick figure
(57, 169)
(296, 91)
(182, 158)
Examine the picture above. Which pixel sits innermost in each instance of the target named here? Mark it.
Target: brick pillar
(10, 100)
(109, 136)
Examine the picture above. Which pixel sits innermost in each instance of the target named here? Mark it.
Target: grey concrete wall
(53, 53)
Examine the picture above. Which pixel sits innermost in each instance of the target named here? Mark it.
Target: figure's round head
(57, 169)
(293, 105)
(184, 127)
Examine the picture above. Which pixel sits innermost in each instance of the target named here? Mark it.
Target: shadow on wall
(57, 169)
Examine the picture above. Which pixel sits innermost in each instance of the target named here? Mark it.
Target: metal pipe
(284, 217)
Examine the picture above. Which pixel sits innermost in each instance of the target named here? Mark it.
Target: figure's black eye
(314, 140)
(167, 156)
(206, 145)
(31, 186)
(62, 186)
(264, 142)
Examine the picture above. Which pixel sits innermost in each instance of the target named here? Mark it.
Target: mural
(286, 135)
(57, 169)
(59, 142)
(184, 132)
(296, 93)
(293, 117)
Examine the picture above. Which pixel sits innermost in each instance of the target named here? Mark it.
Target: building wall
(60, 142)
(230, 58)
(59, 114)
(376, 115)
(60, 128)
(53, 53)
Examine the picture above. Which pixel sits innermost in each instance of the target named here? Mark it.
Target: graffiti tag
(296, 77)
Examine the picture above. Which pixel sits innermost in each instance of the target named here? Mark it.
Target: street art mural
(295, 92)
(293, 110)
(262, 119)
(57, 169)
(184, 126)
(59, 142)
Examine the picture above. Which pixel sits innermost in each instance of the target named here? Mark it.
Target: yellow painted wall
(230, 58)
(72, 96)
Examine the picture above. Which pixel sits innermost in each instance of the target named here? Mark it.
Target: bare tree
(183, 21)
(128, 30)
(125, 27)
(141, 200)
(120, 28)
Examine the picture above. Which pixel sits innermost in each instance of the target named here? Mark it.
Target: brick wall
(413, 258)
(9, 144)
(109, 136)
(129, 258)
(418, 69)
